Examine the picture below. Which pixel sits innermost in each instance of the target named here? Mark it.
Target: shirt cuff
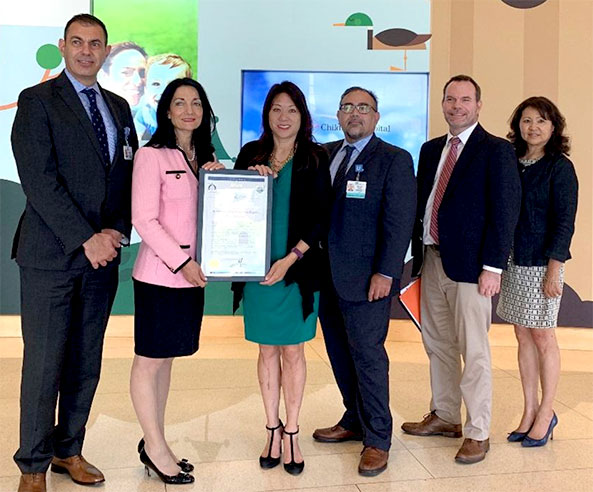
(492, 269)
(386, 276)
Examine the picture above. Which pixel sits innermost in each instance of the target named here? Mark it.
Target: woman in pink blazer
(168, 282)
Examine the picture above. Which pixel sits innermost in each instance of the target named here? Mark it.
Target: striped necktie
(442, 186)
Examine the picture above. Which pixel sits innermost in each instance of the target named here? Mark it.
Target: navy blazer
(372, 235)
(71, 193)
(479, 210)
(548, 210)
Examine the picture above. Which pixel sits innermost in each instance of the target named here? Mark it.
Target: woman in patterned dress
(532, 285)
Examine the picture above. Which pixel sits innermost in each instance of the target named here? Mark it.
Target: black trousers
(355, 334)
(63, 315)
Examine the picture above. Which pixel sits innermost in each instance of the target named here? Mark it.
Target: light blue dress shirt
(359, 146)
(110, 127)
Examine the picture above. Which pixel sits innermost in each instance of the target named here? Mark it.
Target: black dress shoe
(185, 465)
(267, 462)
(179, 479)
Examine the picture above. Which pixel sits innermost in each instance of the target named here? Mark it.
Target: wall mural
(304, 43)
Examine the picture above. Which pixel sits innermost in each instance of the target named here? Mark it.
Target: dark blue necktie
(98, 124)
(343, 167)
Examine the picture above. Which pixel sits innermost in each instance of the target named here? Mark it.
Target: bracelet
(297, 252)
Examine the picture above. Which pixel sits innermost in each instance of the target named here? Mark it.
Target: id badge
(356, 189)
(128, 154)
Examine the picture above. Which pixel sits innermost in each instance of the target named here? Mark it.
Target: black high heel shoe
(293, 467)
(529, 442)
(179, 479)
(185, 465)
(268, 462)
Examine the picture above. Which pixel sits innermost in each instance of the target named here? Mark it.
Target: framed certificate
(234, 225)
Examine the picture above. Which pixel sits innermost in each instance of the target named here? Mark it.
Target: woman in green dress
(280, 313)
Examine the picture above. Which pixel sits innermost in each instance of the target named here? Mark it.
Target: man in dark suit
(73, 143)
(371, 224)
(468, 204)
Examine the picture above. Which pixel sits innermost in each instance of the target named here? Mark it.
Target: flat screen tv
(403, 103)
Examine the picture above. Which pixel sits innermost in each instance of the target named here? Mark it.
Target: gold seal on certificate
(234, 225)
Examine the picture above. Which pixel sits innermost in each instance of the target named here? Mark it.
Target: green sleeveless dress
(273, 315)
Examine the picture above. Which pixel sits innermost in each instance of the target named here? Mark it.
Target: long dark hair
(306, 150)
(558, 143)
(164, 136)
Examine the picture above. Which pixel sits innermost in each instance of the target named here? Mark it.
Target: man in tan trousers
(468, 204)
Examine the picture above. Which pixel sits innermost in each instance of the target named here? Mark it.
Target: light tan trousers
(455, 322)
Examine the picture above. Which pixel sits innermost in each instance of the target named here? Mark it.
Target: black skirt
(167, 320)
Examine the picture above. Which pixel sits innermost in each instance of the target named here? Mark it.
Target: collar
(79, 86)
(464, 135)
(359, 144)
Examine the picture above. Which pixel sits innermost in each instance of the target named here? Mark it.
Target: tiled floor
(215, 418)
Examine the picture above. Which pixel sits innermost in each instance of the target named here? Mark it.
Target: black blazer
(548, 210)
(372, 235)
(307, 220)
(479, 210)
(71, 193)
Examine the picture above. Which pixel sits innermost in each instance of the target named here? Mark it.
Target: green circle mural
(49, 56)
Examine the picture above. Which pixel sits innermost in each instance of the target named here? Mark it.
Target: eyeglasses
(361, 108)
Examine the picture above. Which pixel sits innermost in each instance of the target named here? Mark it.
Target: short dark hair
(86, 19)
(117, 48)
(558, 143)
(357, 88)
(464, 78)
(164, 136)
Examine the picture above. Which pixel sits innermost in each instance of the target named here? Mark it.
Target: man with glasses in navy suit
(371, 222)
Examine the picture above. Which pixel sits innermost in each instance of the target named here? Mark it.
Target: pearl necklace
(192, 157)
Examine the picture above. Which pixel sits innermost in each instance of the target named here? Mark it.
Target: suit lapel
(70, 97)
(333, 149)
(465, 159)
(118, 125)
(432, 164)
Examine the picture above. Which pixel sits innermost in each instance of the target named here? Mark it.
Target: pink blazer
(165, 213)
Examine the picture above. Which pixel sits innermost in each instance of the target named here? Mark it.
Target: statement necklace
(277, 166)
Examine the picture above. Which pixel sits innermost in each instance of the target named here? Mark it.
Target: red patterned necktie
(442, 186)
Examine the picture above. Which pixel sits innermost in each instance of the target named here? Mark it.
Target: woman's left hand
(552, 281)
(277, 271)
(552, 286)
(213, 166)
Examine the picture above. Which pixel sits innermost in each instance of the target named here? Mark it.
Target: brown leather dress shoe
(337, 433)
(32, 482)
(472, 451)
(372, 461)
(432, 426)
(79, 469)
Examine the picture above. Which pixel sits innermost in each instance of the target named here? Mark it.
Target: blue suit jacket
(372, 235)
(480, 208)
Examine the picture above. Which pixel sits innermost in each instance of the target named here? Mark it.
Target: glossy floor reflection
(215, 418)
